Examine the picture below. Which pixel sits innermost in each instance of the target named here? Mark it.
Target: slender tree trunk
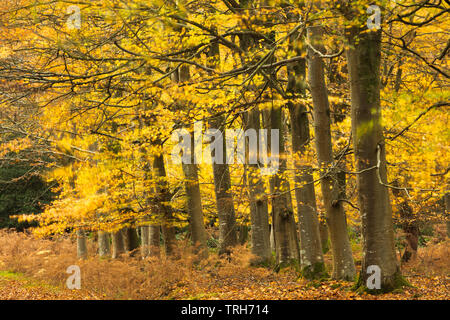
(154, 236)
(285, 233)
(408, 223)
(363, 57)
(81, 245)
(398, 76)
(145, 241)
(447, 210)
(311, 255)
(259, 210)
(104, 246)
(194, 204)
(118, 247)
(343, 263)
(150, 233)
(163, 196)
(310, 243)
(192, 187)
(258, 199)
(224, 198)
(150, 236)
(222, 181)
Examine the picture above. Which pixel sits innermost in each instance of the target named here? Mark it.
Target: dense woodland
(117, 119)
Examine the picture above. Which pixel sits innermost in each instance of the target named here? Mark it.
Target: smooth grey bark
(224, 198)
(259, 211)
(259, 207)
(104, 245)
(145, 241)
(285, 231)
(343, 263)
(311, 255)
(363, 56)
(82, 251)
(150, 241)
(228, 236)
(163, 197)
(150, 232)
(118, 247)
(192, 186)
(194, 207)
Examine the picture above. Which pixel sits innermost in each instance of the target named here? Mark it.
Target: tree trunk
(285, 233)
(104, 246)
(311, 255)
(154, 236)
(118, 247)
(363, 57)
(259, 210)
(150, 237)
(194, 204)
(81, 245)
(163, 197)
(343, 263)
(224, 198)
(222, 181)
(447, 211)
(131, 240)
(192, 187)
(145, 241)
(408, 223)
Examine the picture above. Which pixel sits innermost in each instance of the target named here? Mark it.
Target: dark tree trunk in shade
(285, 231)
(131, 240)
(163, 197)
(118, 247)
(363, 57)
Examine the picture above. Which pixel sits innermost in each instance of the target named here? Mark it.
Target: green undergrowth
(26, 281)
(396, 285)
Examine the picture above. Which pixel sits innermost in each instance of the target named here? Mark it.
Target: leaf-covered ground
(15, 286)
(284, 289)
(37, 269)
(279, 287)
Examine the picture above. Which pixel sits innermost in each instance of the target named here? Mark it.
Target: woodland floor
(41, 276)
(18, 287)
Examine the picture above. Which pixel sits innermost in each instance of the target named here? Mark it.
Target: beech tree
(364, 58)
(343, 264)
